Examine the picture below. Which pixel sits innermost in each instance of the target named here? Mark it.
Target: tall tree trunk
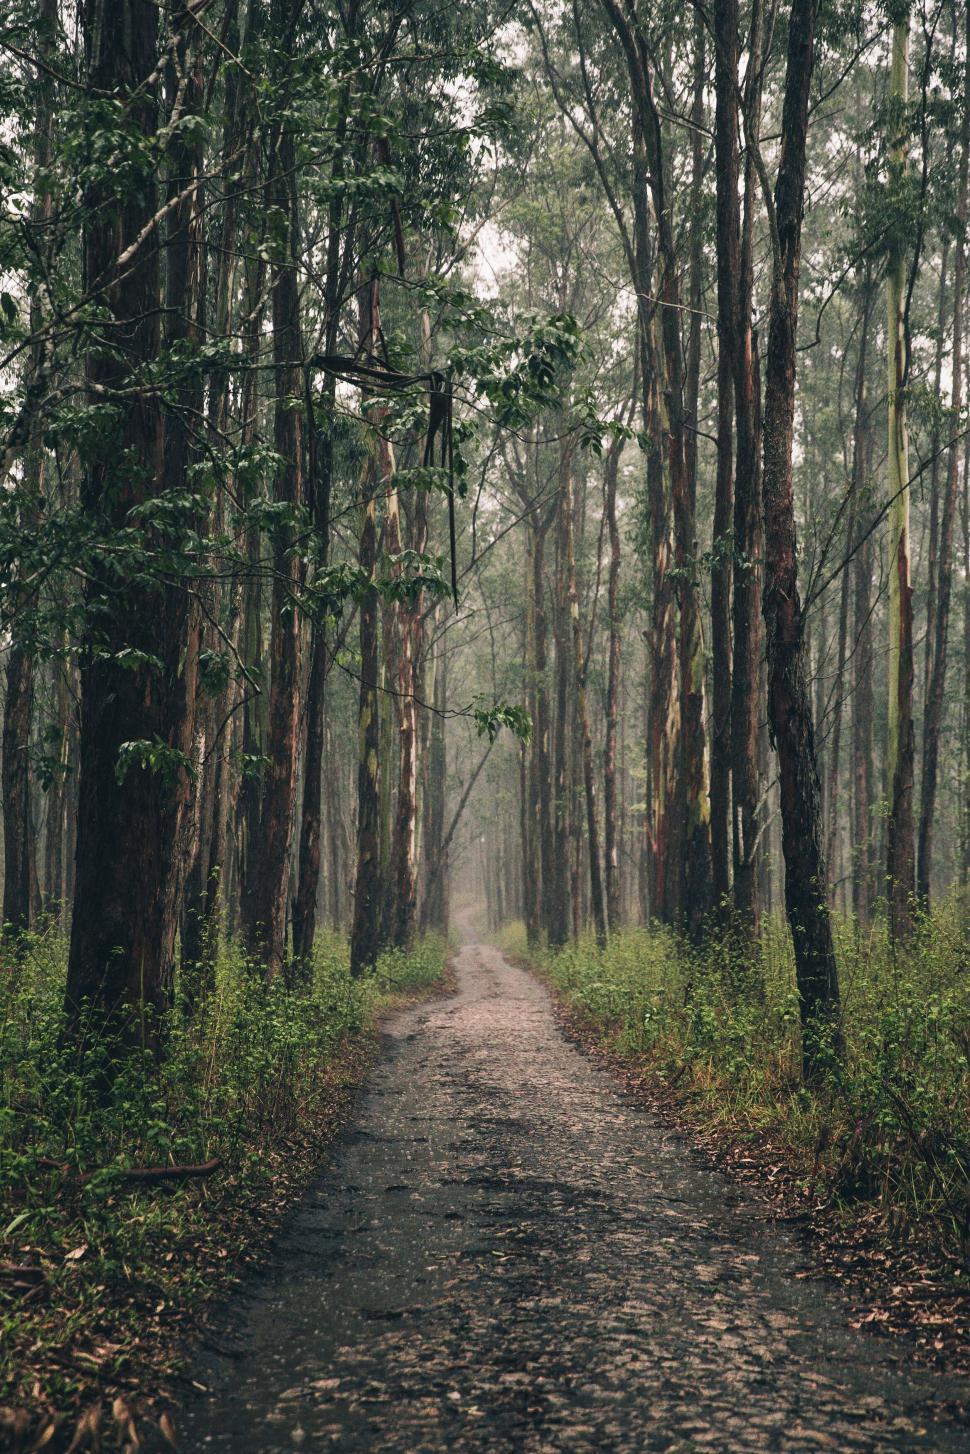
(123, 926)
(185, 286)
(663, 845)
(691, 797)
(267, 893)
(55, 891)
(308, 870)
(966, 666)
(321, 453)
(900, 746)
(404, 851)
(410, 650)
(18, 836)
(746, 681)
(698, 880)
(863, 707)
(612, 829)
(530, 777)
(366, 939)
(789, 705)
(934, 710)
(727, 144)
(934, 492)
(860, 453)
(542, 736)
(559, 920)
(253, 733)
(433, 907)
(582, 718)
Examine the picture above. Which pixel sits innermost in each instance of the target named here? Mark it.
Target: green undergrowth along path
(886, 1136)
(100, 1275)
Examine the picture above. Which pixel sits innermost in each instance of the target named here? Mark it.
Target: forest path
(506, 1254)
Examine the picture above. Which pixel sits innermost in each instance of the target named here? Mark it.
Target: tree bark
(530, 781)
(857, 488)
(727, 145)
(746, 682)
(185, 290)
(123, 926)
(900, 747)
(611, 828)
(542, 747)
(559, 918)
(434, 914)
(863, 708)
(664, 860)
(366, 940)
(789, 704)
(267, 892)
(934, 710)
(585, 737)
(18, 835)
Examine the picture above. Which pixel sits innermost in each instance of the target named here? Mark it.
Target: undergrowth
(888, 1131)
(256, 1076)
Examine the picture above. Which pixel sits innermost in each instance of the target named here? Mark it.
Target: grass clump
(887, 1132)
(96, 1270)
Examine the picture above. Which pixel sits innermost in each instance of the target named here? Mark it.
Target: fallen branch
(137, 1173)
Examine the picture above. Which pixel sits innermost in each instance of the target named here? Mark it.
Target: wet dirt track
(505, 1254)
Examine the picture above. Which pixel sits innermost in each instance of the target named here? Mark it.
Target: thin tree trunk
(308, 871)
(267, 894)
(746, 683)
(18, 837)
(934, 492)
(900, 746)
(863, 706)
(55, 892)
(857, 487)
(529, 777)
(542, 758)
(436, 891)
(560, 916)
(728, 222)
(366, 940)
(185, 287)
(935, 703)
(612, 828)
(582, 718)
(966, 665)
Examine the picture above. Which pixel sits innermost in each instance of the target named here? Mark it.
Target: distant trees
(307, 311)
(232, 180)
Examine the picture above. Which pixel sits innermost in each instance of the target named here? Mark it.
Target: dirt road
(507, 1255)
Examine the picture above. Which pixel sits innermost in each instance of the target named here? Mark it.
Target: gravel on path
(507, 1254)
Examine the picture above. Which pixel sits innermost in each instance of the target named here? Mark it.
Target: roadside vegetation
(884, 1135)
(100, 1269)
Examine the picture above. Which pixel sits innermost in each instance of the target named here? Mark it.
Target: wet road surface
(506, 1254)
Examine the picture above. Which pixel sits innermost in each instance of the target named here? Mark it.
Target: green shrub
(890, 1126)
(246, 1076)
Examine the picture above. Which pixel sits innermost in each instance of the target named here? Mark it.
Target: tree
(900, 750)
(138, 671)
(789, 703)
(938, 629)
